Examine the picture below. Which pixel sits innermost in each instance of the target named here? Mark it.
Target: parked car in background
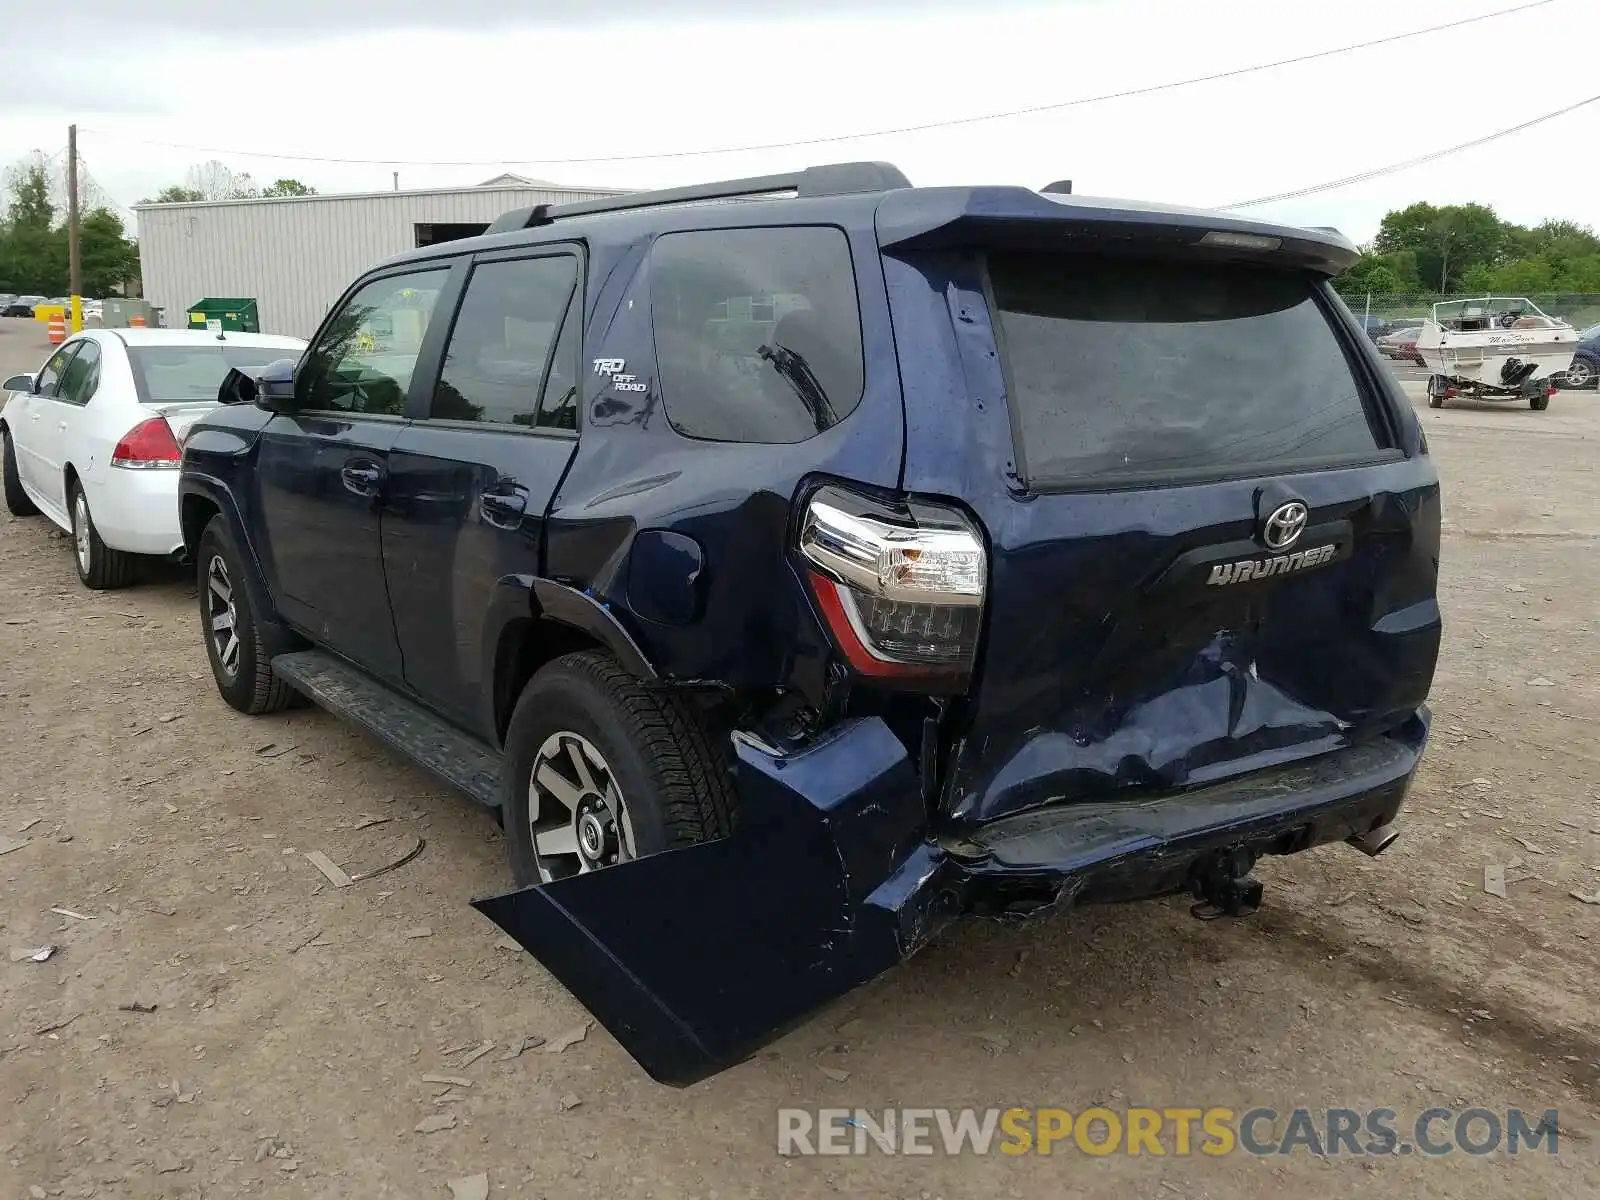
(21, 306)
(1585, 368)
(1401, 344)
(884, 554)
(92, 439)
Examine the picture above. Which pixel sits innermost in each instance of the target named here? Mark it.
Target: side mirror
(271, 388)
(275, 389)
(18, 383)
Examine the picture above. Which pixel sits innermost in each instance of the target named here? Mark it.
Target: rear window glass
(171, 373)
(1130, 368)
(757, 331)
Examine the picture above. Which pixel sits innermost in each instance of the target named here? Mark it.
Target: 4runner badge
(1262, 568)
(613, 367)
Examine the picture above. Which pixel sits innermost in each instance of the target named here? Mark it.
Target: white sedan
(93, 439)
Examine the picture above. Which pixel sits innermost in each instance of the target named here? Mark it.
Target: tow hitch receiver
(1224, 886)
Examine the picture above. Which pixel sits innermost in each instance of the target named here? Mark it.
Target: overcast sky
(471, 80)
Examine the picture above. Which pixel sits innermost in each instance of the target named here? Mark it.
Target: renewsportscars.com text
(1176, 1132)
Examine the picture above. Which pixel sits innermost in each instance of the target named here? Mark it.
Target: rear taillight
(901, 588)
(149, 444)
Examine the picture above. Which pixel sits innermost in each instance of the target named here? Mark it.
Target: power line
(848, 137)
(1376, 172)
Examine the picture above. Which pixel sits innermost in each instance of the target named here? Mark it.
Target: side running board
(464, 763)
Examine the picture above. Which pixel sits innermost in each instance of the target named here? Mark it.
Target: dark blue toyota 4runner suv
(800, 563)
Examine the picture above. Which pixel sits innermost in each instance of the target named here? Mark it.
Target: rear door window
(498, 363)
(1131, 369)
(757, 331)
(82, 376)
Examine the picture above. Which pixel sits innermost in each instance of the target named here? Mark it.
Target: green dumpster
(237, 314)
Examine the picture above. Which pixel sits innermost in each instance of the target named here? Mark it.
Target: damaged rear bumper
(695, 958)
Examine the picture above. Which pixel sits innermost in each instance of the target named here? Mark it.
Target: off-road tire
(676, 783)
(1539, 403)
(17, 502)
(107, 568)
(251, 688)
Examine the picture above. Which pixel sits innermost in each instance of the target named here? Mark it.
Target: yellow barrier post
(77, 314)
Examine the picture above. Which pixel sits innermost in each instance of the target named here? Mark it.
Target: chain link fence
(1379, 311)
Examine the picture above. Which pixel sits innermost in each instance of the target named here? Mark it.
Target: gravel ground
(294, 1023)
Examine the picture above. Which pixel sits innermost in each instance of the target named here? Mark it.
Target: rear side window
(757, 331)
(1122, 368)
(163, 374)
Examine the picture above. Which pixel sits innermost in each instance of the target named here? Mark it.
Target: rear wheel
(240, 663)
(1436, 390)
(600, 770)
(99, 566)
(1539, 403)
(17, 502)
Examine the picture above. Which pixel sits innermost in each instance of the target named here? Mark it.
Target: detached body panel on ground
(812, 567)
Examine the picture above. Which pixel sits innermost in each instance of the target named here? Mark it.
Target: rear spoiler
(1016, 218)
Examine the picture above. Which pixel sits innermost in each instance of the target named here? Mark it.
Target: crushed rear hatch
(1142, 414)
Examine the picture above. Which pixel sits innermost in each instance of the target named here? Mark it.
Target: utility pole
(74, 259)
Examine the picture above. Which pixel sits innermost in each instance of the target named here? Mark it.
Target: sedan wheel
(577, 818)
(99, 566)
(81, 532)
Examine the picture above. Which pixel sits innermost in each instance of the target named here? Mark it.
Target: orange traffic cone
(136, 321)
(58, 330)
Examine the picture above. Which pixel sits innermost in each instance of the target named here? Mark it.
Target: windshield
(168, 374)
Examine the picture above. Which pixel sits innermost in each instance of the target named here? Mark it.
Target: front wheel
(17, 502)
(600, 769)
(240, 663)
(99, 566)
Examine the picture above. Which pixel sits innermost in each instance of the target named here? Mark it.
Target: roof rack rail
(834, 179)
(1061, 187)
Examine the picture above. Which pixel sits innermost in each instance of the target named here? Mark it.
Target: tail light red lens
(149, 444)
(901, 589)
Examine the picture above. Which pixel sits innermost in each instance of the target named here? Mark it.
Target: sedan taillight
(902, 590)
(149, 444)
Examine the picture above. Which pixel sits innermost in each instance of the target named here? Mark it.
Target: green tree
(175, 194)
(1382, 274)
(33, 251)
(109, 257)
(1448, 241)
(288, 187)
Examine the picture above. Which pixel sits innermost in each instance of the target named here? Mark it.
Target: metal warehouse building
(295, 255)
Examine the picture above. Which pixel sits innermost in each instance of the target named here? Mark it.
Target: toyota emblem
(1284, 525)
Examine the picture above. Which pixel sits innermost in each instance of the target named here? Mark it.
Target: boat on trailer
(1494, 348)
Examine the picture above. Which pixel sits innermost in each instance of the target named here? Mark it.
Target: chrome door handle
(361, 479)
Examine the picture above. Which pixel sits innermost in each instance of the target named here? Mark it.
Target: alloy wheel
(577, 819)
(222, 617)
(80, 532)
